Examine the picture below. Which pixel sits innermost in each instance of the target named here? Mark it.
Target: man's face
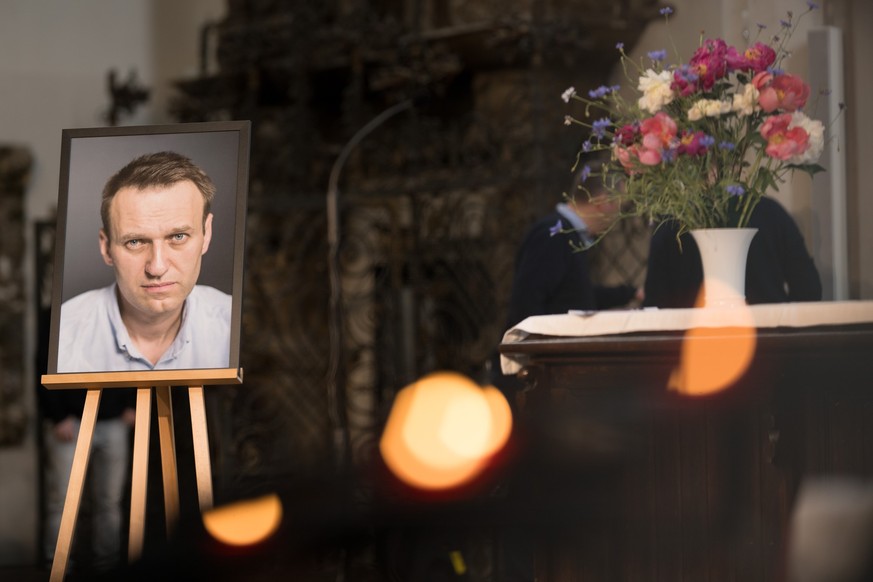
(157, 239)
(602, 214)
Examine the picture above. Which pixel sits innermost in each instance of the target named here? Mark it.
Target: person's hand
(640, 295)
(128, 415)
(65, 430)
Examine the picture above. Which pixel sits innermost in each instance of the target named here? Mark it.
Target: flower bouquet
(704, 141)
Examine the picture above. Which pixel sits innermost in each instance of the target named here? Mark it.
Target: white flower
(568, 94)
(655, 89)
(708, 108)
(746, 101)
(815, 129)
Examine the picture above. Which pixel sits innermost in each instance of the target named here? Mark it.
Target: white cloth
(93, 338)
(596, 323)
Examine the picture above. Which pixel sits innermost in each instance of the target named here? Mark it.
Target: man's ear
(104, 248)
(207, 233)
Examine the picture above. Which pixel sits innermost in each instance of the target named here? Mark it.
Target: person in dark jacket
(779, 267)
(552, 274)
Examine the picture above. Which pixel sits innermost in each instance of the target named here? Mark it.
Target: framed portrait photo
(148, 269)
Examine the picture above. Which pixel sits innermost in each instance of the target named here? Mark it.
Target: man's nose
(157, 263)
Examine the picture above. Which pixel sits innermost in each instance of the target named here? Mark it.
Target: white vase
(723, 252)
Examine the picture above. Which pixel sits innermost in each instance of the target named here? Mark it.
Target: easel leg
(139, 479)
(202, 464)
(75, 488)
(168, 456)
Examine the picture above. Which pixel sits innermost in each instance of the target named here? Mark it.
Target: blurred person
(552, 274)
(108, 467)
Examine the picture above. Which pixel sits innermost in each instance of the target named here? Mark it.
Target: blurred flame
(712, 359)
(443, 430)
(245, 523)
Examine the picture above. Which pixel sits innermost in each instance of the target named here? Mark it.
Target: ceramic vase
(723, 252)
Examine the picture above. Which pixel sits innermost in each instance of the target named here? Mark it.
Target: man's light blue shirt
(93, 338)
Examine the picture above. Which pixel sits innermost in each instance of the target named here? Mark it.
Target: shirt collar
(126, 345)
(576, 221)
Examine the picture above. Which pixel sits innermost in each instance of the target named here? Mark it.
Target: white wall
(54, 57)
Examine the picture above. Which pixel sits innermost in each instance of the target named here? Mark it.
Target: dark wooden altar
(672, 487)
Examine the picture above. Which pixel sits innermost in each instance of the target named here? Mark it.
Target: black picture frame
(89, 156)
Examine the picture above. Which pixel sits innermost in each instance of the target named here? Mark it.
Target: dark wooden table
(645, 483)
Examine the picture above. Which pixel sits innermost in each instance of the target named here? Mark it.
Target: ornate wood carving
(433, 202)
(15, 163)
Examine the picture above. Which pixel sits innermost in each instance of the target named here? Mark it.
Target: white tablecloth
(581, 324)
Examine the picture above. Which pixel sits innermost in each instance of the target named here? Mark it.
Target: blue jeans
(107, 476)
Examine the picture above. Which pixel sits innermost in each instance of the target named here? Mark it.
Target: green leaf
(811, 169)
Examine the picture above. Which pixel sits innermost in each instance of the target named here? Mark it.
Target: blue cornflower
(619, 46)
(657, 55)
(785, 23)
(586, 172)
(555, 229)
(586, 145)
(599, 127)
(726, 145)
(600, 92)
(666, 11)
(761, 26)
(686, 73)
(668, 155)
(812, 5)
(707, 141)
(735, 190)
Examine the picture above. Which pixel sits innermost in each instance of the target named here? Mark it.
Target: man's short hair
(154, 170)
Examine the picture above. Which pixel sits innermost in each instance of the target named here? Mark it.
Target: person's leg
(59, 463)
(109, 466)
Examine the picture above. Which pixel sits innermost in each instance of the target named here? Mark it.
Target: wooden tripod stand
(146, 383)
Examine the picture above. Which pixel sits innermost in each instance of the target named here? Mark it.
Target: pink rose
(754, 59)
(659, 131)
(710, 62)
(783, 142)
(785, 92)
(627, 157)
(761, 79)
(649, 157)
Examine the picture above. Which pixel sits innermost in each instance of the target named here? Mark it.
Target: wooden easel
(159, 382)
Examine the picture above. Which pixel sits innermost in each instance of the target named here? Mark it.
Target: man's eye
(179, 237)
(133, 243)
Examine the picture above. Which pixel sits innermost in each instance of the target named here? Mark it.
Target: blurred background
(432, 201)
